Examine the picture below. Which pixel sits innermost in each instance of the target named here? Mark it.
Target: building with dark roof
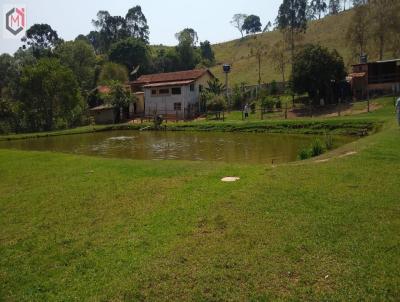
(375, 78)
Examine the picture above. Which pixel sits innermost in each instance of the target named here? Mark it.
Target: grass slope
(329, 32)
(75, 228)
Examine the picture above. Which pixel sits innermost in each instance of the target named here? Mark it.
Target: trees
(79, 56)
(113, 72)
(136, 24)
(6, 70)
(206, 51)
(131, 52)
(317, 8)
(238, 21)
(377, 20)
(357, 32)
(315, 69)
(187, 55)
(166, 60)
(111, 29)
(267, 27)
(279, 58)
(215, 87)
(383, 22)
(95, 39)
(359, 2)
(334, 7)
(292, 20)
(120, 97)
(252, 24)
(42, 39)
(187, 36)
(259, 51)
(215, 103)
(50, 96)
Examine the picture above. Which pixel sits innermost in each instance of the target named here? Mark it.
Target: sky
(210, 18)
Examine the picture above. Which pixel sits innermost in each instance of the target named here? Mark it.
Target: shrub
(278, 104)
(329, 142)
(237, 97)
(267, 103)
(216, 103)
(317, 148)
(273, 88)
(304, 154)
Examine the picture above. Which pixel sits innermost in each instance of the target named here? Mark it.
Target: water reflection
(199, 146)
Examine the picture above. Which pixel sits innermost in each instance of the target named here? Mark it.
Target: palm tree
(215, 87)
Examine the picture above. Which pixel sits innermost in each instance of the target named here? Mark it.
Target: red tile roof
(103, 89)
(171, 77)
(357, 75)
(102, 107)
(165, 84)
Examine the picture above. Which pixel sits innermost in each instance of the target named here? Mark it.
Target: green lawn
(77, 228)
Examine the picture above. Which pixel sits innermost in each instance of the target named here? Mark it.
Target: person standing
(246, 111)
(398, 110)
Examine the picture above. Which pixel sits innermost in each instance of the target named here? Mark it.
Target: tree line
(313, 9)
(375, 28)
(50, 83)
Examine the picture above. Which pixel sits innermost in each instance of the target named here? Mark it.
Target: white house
(173, 94)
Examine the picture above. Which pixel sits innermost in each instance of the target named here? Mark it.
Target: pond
(193, 146)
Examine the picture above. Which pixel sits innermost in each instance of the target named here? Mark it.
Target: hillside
(329, 32)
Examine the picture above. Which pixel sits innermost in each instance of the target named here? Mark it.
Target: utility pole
(227, 70)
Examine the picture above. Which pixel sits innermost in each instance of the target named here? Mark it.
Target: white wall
(165, 104)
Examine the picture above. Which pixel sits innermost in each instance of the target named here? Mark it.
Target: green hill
(329, 32)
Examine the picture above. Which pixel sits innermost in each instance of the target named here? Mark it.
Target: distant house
(104, 114)
(375, 78)
(173, 94)
(107, 114)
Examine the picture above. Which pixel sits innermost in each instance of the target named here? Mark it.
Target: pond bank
(352, 127)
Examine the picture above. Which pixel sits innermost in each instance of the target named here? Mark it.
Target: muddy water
(193, 146)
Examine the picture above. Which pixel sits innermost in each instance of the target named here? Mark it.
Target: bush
(237, 97)
(329, 142)
(5, 127)
(273, 88)
(216, 103)
(317, 148)
(267, 103)
(304, 154)
(278, 104)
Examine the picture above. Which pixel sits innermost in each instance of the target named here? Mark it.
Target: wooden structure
(375, 78)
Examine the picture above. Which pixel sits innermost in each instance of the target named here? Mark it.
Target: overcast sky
(210, 18)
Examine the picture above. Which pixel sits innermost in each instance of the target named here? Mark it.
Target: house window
(177, 106)
(163, 91)
(200, 88)
(191, 87)
(176, 90)
(154, 92)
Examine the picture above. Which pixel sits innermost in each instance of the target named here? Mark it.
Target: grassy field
(77, 228)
